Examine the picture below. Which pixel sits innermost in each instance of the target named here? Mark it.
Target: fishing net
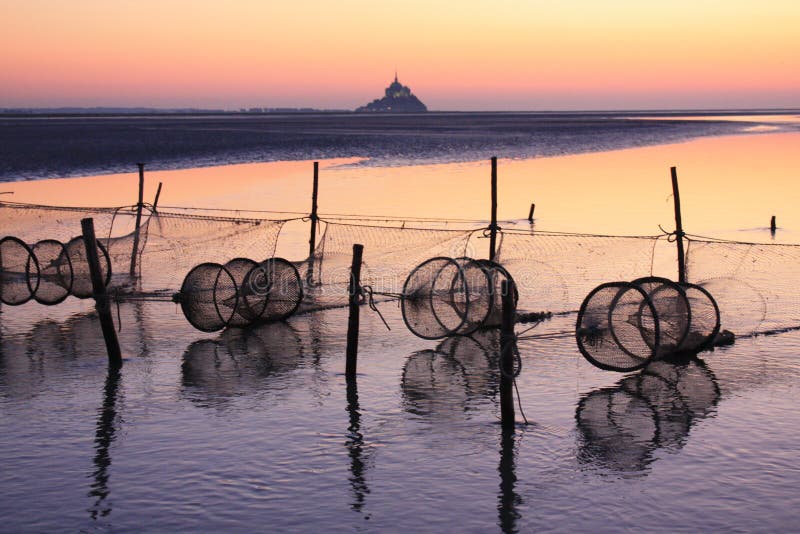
(617, 327)
(170, 243)
(19, 272)
(390, 254)
(81, 276)
(497, 274)
(755, 285)
(672, 309)
(243, 314)
(705, 319)
(428, 293)
(55, 272)
(555, 271)
(208, 297)
(279, 282)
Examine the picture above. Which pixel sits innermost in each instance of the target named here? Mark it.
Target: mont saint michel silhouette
(398, 99)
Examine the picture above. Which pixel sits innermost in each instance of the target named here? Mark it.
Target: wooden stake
(773, 225)
(102, 303)
(493, 223)
(158, 194)
(139, 205)
(312, 242)
(507, 343)
(678, 226)
(353, 320)
(530, 213)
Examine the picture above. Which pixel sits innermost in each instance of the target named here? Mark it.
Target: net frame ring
(652, 285)
(479, 317)
(76, 246)
(428, 297)
(222, 273)
(243, 314)
(65, 275)
(493, 267)
(622, 288)
(709, 341)
(31, 270)
(273, 266)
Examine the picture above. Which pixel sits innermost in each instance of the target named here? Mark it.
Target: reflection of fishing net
(621, 426)
(56, 275)
(19, 272)
(617, 327)
(443, 296)
(240, 293)
(81, 277)
(621, 329)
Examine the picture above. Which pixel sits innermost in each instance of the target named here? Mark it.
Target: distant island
(398, 99)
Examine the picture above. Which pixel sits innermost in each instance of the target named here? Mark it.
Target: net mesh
(55, 272)
(755, 285)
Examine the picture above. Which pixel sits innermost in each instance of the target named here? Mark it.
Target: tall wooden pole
(312, 242)
(102, 303)
(678, 226)
(139, 206)
(493, 223)
(507, 342)
(353, 320)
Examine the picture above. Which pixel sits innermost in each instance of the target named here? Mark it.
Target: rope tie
(370, 296)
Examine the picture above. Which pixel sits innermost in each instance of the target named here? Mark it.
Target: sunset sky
(465, 55)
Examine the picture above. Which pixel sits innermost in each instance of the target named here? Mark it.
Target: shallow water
(258, 430)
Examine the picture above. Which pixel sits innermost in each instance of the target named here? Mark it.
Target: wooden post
(530, 213)
(493, 223)
(139, 205)
(353, 320)
(158, 194)
(312, 242)
(678, 226)
(507, 343)
(773, 225)
(102, 303)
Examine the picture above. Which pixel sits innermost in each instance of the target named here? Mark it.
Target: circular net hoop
(427, 302)
(705, 319)
(617, 327)
(55, 272)
(208, 297)
(497, 274)
(248, 305)
(81, 277)
(277, 283)
(471, 294)
(19, 272)
(673, 310)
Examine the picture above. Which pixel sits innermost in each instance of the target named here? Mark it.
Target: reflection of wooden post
(493, 223)
(135, 250)
(353, 321)
(507, 342)
(312, 242)
(678, 226)
(102, 303)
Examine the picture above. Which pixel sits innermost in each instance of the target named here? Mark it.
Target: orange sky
(465, 55)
